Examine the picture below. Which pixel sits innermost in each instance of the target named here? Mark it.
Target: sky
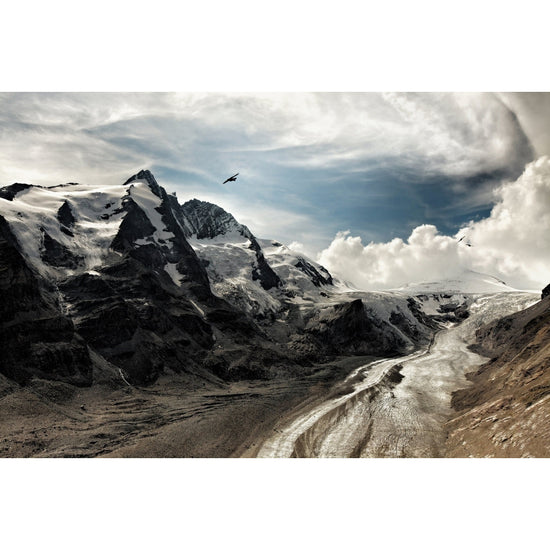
(346, 178)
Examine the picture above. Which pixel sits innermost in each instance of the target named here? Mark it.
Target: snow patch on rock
(149, 202)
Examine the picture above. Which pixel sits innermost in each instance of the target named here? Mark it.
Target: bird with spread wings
(232, 178)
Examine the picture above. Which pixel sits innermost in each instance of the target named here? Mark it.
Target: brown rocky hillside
(506, 410)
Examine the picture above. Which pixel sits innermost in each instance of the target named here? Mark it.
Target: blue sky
(310, 165)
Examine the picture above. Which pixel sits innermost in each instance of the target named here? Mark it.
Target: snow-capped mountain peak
(123, 273)
(468, 282)
(70, 229)
(64, 228)
(147, 177)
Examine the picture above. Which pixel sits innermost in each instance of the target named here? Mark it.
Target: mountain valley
(132, 325)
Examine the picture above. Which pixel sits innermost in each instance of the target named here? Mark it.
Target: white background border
(283, 46)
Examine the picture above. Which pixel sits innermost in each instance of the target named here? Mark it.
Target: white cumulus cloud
(513, 243)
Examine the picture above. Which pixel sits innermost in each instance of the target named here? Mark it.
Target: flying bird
(466, 243)
(232, 178)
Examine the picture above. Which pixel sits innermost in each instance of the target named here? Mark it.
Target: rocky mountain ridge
(125, 275)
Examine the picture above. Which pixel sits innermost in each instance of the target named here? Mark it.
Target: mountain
(133, 324)
(231, 254)
(505, 411)
(313, 313)
(110, 265)
(236, 261)
(121, 283)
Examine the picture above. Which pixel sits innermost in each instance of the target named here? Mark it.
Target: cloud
(320, 159)
(514, 239)
(533, 112)
(511, 243)
(457, 135)
(45, 138)
(425, 255)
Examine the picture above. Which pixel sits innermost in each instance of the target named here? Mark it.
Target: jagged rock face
(136, 320)
(131, 311)
(349, 328)
(207, 221)
(545, 292)
(143, 241)
(204, 220)
(262, 271)
(35, 337)
(135, 225)
(55, 254)
(129, 308)
(235, 258)
(138, 308)
(318, 277)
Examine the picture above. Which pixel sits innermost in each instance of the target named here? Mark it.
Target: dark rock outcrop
(206, 220)
(65, 215)
(262, 270)
(134, 226)
(545, 292)
(10, 191)
(349, 328)
(318, 277)
(55, 254)
(453, 311)
(135, 319)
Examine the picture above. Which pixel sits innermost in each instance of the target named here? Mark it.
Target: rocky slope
(506, 410)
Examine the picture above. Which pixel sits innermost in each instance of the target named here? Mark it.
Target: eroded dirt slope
(506, 411)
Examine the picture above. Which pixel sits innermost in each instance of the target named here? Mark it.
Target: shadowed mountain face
(506, 410)
(35, 337)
